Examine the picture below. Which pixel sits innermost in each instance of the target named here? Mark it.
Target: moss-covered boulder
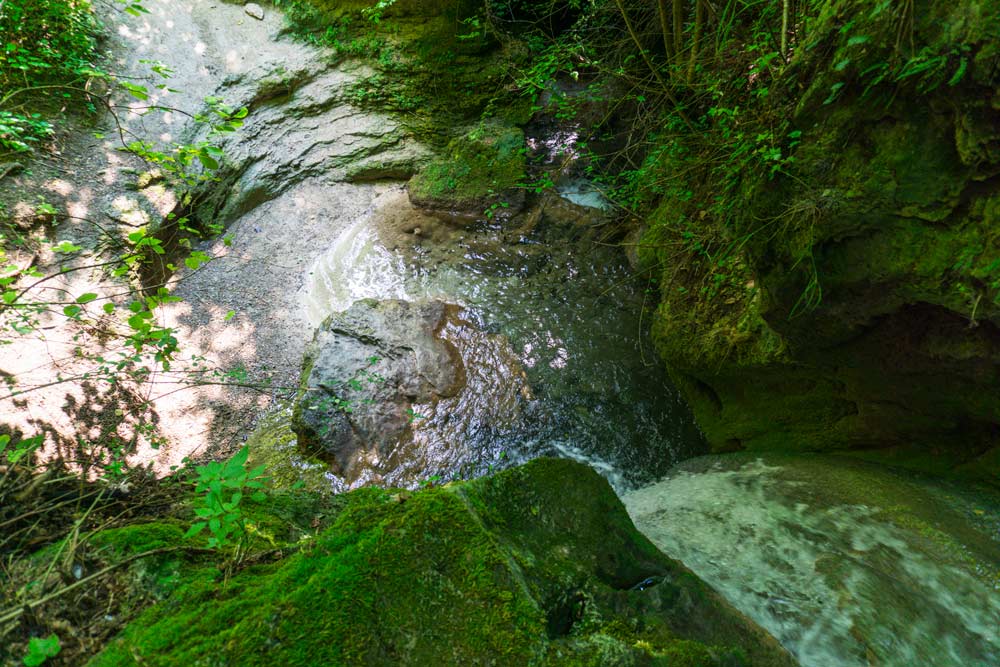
(858, 303)
(480, 169)
(537, 565)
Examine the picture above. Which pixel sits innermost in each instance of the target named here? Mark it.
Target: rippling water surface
(848, 565)
(568, 312)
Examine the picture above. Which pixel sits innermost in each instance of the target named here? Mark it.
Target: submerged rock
(538, 565)
(396, 391)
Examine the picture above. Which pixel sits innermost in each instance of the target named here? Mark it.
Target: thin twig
(13, 614)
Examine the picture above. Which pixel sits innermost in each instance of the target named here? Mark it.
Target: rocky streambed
(405, 346)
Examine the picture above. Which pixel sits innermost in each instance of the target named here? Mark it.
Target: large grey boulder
(364, 372)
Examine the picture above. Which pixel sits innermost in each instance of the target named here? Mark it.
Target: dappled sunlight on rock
(59, 186)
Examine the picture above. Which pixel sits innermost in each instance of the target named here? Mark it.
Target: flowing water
(562, 313)
(845, 563)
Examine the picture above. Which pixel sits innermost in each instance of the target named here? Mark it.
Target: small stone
(254, 10)
(417, 231)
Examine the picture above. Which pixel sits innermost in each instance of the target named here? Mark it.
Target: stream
(846, 564)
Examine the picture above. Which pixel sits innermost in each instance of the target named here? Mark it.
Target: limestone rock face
(364, 371)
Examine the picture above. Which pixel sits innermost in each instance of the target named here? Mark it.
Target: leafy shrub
(49, 50)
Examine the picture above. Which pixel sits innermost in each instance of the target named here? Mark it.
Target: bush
(49, 48)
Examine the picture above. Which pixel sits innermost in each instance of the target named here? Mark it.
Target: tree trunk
(699, 22)
(678, 26)
(785, 10)
(668, 42)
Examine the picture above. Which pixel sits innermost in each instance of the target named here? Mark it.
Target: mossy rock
(862, 308)
(536, 565)
(483, 167)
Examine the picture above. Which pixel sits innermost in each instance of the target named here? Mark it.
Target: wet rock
(868, 324)
(394, 392)
(254, 10)
(363, 374)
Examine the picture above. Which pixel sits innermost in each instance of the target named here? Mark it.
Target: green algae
(535, 565)
(273, 445)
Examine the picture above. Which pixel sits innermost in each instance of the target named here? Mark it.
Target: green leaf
(136, 91)
(72, 311)
(108, 308)
(230, 315)
(41, 649)
(9, 296)
(86, 298)
(959, 73)
(196, 259)
(195, 529)
(208, 161)
(66, 247)
(834, 90)
(137, 321)
(24, 448)
(240, 458)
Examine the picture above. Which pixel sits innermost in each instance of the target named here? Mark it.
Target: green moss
(138, 538)
(410, 45)
(484, 166)
(497, 571)
(382, 561)
(850, 301)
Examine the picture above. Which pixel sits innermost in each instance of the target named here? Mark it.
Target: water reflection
(558, 309)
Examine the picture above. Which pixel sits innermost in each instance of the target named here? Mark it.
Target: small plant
(18, 451)
(41, 649)
(223, 487)
(430, 481)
